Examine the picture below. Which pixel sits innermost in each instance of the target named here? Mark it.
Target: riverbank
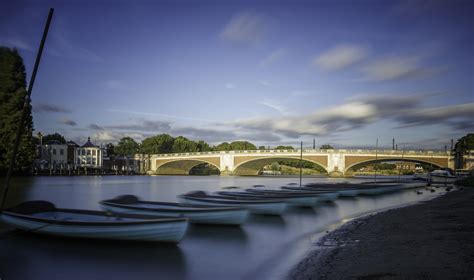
(430, 240)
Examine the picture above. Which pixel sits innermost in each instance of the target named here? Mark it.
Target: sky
(271, 72)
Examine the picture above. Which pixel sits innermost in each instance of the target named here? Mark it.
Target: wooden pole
(301, 161)
(376, 158)
(25, 106)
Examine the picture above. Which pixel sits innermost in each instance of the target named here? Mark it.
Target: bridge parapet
(333, 160)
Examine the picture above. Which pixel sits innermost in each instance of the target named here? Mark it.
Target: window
(78, 152)
(93, 152)
(93, 161)
(88, 160)
(61, 151)
(78, 161)
(54, 151)
(83, 152)
(88, 152)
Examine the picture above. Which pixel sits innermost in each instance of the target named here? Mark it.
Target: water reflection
(28, 256)
(263, 248)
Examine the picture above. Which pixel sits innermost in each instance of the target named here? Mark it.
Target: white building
(88, 155)
(55, 153)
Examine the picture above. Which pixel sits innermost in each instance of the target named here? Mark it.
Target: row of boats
(128, 218)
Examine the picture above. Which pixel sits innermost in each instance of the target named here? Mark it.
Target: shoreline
(432, 239)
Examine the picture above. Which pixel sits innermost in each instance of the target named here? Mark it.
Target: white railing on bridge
(316, 151)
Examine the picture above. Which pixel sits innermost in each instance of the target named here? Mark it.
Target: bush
(466, 182)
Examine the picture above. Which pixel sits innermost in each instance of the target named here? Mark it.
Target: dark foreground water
(266, 247)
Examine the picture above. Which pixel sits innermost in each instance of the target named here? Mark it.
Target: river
(266, 247)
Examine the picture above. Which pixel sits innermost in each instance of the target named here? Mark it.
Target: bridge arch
(253, 165)
(180, 166)
(354, 166)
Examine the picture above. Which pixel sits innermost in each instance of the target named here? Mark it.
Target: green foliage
(275, 166)
(385, 166)
(159, 144)
(326, 147)
(466, 182)
(182, 144)
(304, 164)
(126, 147)
(284, 148)
(261, 147)
(110, 149)
(55, 136)
(465, 143)
(224, 146)
(12, 97)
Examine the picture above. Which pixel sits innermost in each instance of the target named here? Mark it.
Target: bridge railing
(316, 151)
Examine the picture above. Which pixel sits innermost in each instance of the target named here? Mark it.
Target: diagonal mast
(23, 114)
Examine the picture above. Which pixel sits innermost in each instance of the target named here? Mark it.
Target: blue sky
(271, 72)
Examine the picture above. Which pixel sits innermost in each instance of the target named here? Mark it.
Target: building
(55, 154)
(71, 151)
(89, 156)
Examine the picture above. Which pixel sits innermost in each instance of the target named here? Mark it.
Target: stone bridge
(334, 162)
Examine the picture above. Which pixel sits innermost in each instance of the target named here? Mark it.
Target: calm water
(265, 247)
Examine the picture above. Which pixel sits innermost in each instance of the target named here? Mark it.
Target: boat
(323, 196)
(200, 214)
(373, 188)
(44, 218)
(344, 189)
(441, 176)
(295, 199)
(255, 206)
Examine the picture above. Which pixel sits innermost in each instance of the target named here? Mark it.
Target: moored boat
(294, 199)
(256, 206)
(195, 213)
(44, 218)
(323, 196)
(347, 190)
(441, 177)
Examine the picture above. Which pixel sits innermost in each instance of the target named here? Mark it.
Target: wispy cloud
(130, 112)
(114, 85)
(273, 57)
(245, 27)
(143, 125)
(230, 86)
(49, 108)
(359, 112)
(17, 42)
(396, 68)
(340, 57)
(67, 121)
(264, 83)
(277, 107)
(63, 46)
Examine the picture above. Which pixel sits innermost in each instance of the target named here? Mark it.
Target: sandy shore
(430, 240)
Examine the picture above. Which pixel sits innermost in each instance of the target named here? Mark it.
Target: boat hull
(163, 232)
(273, 208)
(221, 217)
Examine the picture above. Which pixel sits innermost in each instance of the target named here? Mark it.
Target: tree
(284, 148)
(326, 147)
(127, 146)
(55, 136)
(159, 144)
(224, 146)
(183, 145)
(242, 145)
(12, 97)
(261, 147)
(109, 148)
(203, 146)
(275, 166)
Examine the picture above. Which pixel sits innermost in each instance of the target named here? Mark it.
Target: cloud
(63, 47)
(17, 42)
(49, 108)
(340, 57)
(396, 68)
(114, 85)
(274, 56)
(67, 121)
(206, 134)
(459, 116)
(244, 27)
(230, 86)
(128, 112)
(264, 83)
(143, 125)
(280, 109)
(94, 126)
(359, 112)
